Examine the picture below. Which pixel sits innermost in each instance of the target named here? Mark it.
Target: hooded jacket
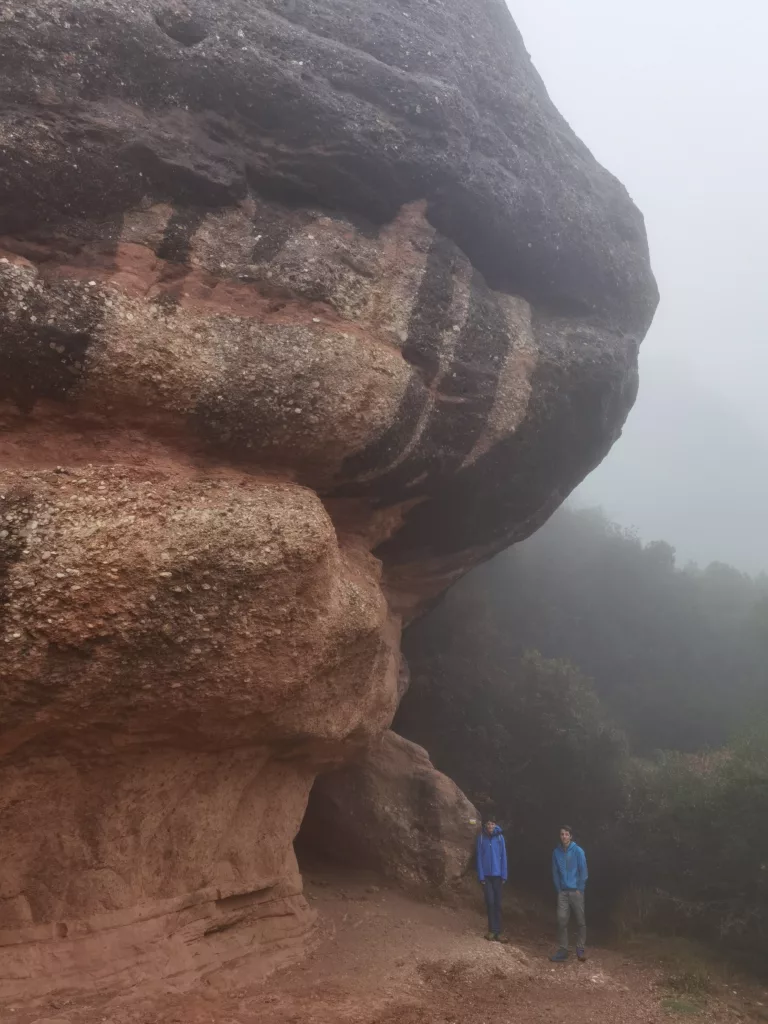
(491, 855)
(569, 868)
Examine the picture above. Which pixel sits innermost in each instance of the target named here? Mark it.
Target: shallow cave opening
(392, 813)
(318, 844)
(339, 832)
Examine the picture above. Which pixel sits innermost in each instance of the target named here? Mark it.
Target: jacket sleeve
(583, 873)
(503, 859)
(480, 873)
(556, 872)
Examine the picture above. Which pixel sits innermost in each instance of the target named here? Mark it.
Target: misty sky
(672, 96)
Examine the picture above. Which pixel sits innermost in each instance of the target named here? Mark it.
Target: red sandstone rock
(305, 308)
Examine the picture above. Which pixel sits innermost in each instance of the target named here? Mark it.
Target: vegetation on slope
(584, 677)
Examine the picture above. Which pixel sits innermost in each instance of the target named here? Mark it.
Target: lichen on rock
(305, 308)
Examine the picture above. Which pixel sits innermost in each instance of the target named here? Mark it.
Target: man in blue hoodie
(569, 873)
(492, 873)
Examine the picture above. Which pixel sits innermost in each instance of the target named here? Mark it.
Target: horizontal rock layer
(380, 371)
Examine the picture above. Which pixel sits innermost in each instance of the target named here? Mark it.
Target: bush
(694, 836)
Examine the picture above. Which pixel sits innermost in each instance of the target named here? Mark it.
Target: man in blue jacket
(492, 873)
(569, 873)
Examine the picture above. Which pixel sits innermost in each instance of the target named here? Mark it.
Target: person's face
(565, 836)
(489, 827)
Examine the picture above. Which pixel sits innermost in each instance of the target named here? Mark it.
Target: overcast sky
(672, 96)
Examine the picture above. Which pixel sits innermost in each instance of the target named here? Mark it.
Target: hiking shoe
(560, 956)
(502, 939)
(581, 954)
(490, 936)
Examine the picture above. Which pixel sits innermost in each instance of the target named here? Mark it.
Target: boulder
(392, 812)
(306, 307)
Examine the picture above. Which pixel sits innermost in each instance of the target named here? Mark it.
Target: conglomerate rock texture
(306, 306)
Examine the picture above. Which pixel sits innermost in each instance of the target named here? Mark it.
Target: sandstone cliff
(306, 306)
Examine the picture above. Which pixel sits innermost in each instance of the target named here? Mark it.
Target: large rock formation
(392, 811)
(306, 306)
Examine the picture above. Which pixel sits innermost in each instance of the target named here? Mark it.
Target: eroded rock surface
(306, 306)
(393, 812)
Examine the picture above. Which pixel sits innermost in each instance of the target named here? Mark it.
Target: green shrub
(695, 837)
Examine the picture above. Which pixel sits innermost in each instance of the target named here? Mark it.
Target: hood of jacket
(496, 832)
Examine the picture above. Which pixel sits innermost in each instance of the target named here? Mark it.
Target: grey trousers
(568, 901)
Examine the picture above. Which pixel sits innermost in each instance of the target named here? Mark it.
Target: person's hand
(482, 881)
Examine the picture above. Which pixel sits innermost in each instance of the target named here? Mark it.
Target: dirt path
(381, 957)
(386, 958)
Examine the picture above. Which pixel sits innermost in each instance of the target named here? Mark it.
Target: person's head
(490, 826)
(566, 835)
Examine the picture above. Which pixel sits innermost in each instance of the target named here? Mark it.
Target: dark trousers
(492, 890)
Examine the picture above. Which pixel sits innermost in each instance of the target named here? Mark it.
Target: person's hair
(489, 821)
(566, 828)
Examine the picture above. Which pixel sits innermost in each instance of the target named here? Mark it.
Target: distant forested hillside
(679, 656)
(583, 676)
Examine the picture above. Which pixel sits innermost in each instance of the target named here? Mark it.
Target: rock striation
(306, 306)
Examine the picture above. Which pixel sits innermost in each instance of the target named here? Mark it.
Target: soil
(381, 956)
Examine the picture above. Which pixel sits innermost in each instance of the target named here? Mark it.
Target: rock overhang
(312, 305)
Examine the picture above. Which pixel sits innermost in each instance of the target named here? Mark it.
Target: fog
(672, 97)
